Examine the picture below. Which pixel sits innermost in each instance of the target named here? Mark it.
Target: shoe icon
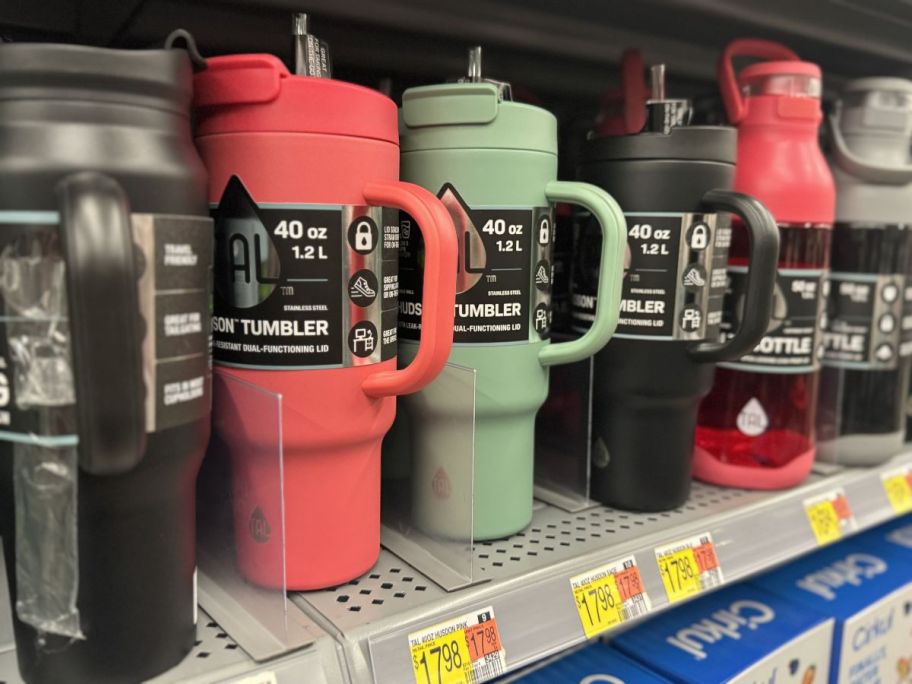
(363, 288)
(541, 276)
(693, 278)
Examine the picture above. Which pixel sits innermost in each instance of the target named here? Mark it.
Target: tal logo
(440, 484)
(247, 264)
(472, 254)
(752, 420)
(259, 526)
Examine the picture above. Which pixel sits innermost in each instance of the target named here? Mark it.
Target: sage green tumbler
(493, 163)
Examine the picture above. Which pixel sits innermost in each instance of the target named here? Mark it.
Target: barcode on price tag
(897, 483)
(830, 516)
(464, 650)
(609, 595)
(689, 566)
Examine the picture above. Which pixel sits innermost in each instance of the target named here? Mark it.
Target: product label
(303, 286)
(897, 484)
(864, 315)
(792, 341)
(689, 567)
(36, 373)
(674, 276)
(503, 278)
(464, 650)
(609, 595)
(830, 516)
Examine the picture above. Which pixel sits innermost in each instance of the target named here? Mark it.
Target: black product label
(303, 286)
(792, 341)
(674, 276)
(174, 292)
(504, 274)
(862, 326)
(174, 255)
(905, 337)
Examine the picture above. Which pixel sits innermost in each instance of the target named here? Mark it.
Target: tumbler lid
(877, 106)
(686, 143)
(474, 113)
(158, 79)
(257, 93)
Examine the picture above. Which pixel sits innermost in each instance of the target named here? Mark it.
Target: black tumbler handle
(105, 323)
(761, 275)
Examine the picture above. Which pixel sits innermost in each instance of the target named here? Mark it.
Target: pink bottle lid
(257, 93)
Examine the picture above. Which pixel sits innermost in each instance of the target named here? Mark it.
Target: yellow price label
(830, 516)
(599, 605)
(680, 574)
(464, 650)
(898, 486)
(444, 660)
(609, 595)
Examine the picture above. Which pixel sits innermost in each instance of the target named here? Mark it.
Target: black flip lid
(161, 79)
(693, 143)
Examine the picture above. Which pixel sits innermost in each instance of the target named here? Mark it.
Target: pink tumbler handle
(438, 304)
(728, 82)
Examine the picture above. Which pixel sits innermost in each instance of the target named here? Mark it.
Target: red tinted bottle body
(757, 426)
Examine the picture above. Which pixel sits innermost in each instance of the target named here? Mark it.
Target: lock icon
(364, 238)
(544, 231)
(699, 236)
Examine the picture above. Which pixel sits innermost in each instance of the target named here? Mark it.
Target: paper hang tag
(315, 60)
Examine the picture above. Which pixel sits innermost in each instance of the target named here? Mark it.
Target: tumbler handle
(761, 275)
(728, 82)
(106, 327)
(611, 271)
(438, 303)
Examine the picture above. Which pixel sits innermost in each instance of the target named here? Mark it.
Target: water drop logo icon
(472, 254)
(752, 420)
(246, 261)
(259, 527)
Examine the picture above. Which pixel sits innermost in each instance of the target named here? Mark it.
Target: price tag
(830, 516)
(897, 484)
(689, 567)
(609, 595)
(464, 650)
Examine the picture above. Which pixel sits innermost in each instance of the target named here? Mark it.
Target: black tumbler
(105, 255)
(651, 376)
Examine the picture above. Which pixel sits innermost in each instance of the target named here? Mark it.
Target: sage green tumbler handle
(611, 270)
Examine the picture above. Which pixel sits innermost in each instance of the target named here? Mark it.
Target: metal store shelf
(367, 620)
(529, 573)
(217, 658)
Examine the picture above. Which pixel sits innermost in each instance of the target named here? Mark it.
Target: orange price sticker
(483, 639)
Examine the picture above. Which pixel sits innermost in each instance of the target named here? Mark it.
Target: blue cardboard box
(740, 634)
(867, 589)
(595, 664)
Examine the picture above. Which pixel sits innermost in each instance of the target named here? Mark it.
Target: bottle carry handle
(611, 270)
(438, 302)
(728, 81)
(761, 275)
(852, 164)
(106, 327)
